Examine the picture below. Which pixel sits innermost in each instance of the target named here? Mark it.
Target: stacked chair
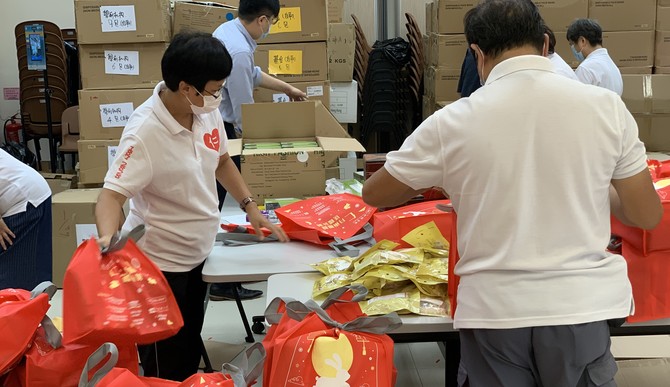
(415, 68)
(35, 105)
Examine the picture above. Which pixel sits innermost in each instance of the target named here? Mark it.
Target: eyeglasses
(215, 95)
(273, 20)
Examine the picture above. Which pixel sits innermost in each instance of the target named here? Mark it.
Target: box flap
(326, 124)
(89, 195)
(278, 120)
(235, 147)
(340, 144)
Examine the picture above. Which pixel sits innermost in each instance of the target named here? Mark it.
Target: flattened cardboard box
(630, 48)
(429, 19)
(624, 15)
(559, 14)
(122, 21)
(448, 15)
(73, 218)
(294, 62)
(203, 17)
(300, 21)
(106, 112)
(448, 50)
(298, 172)
(316, 91)
(647, 93)
(121, 66)
(341, 51)
(94, 159)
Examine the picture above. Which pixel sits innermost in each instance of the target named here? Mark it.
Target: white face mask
(211, 104)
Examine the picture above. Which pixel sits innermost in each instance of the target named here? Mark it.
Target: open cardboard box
(294, 172)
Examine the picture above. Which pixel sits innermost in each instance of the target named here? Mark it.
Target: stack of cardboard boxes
(121, 43)
(662, 54)
(202, 16)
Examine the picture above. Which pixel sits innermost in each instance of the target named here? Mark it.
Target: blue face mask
(265, 34)
(578, 55)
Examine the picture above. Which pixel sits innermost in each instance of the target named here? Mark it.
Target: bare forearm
(616, 209)
(108, 212)
(272, 83)
(230, 178)
(383, 190)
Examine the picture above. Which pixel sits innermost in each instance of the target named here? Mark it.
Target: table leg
(452, 358)
(203, 350)
(247, 328)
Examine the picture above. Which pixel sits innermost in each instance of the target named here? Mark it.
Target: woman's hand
(296, 94)
(6, 235)
(257, 220)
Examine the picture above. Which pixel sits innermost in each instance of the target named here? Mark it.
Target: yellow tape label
(285, 62)
(290, 20)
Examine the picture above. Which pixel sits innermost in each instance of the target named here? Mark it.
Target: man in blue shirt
(240, 36)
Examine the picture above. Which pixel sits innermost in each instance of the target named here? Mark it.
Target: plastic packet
(384, 257)
(437, 268)
(329, 283)
(434, 306)
(334, 265)
(407, 300)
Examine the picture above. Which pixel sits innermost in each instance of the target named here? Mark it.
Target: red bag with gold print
(119, 296)
(321, 219)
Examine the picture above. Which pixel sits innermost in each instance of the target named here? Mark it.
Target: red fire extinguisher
(13, 130)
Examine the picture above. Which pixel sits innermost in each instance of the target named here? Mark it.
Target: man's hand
(6, 235)
(257, 220)
(104, 241)
(296, 94)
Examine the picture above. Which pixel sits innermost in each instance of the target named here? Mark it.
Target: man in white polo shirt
(172, 152)
(596, 68)
(560, 65)
(529, 161)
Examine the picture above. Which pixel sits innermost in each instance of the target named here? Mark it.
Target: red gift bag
(45, 365)
(20, 316)
(321, 219)
(396, 223)
(648, 276)
(354, 353)
(649, 241)
(120, 296)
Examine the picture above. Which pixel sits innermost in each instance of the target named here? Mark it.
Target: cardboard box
(448, 50)
(294, 62)
(654, 131)
(95, 156)
(442, 83)
(448, 15)
(427, 107)
(630, 48)
(624, 15)
(335, 11)
(661, 70)
(563, 49)
(316, 91)
(122, 21)
(59, 182)
(121, 66)
(73, 221)
(643, 372)
(636, 70)
(662, 52)
(559, 14)
(647, 93)
(300, 21)
(344, 101)
(106, 112)
(298, 172)
(203, 17)
(429, 19)
(341, 52)
(662, 18)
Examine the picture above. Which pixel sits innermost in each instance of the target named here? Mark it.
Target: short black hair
(588, 28)
(248, 10)
(552, 39)
(195, 58)
(499, 25)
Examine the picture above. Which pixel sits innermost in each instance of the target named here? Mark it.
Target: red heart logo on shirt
(212, 140)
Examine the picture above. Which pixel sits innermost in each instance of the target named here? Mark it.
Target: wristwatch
(245, 202)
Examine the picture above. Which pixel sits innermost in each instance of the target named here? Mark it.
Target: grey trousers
(552, 356)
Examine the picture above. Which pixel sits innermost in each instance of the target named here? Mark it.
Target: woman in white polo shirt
(172, 152)
(25, 225)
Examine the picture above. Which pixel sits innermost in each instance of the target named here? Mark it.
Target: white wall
(13, 12)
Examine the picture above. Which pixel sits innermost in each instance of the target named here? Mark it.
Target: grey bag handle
(118, 241)
(45, 287)
(243, 375)
(241, 239)
(53, 337)
(376, 324)
(94, 360)
(344, 247)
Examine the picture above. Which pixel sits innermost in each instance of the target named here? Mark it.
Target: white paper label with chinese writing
(280, 97)
(111, 155)
(84, 232)
(118, 18)
(314, 91)
(122, 62)
(115, 114)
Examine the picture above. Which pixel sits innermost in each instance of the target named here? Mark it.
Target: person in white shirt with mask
(560, 65)
(596, 67)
